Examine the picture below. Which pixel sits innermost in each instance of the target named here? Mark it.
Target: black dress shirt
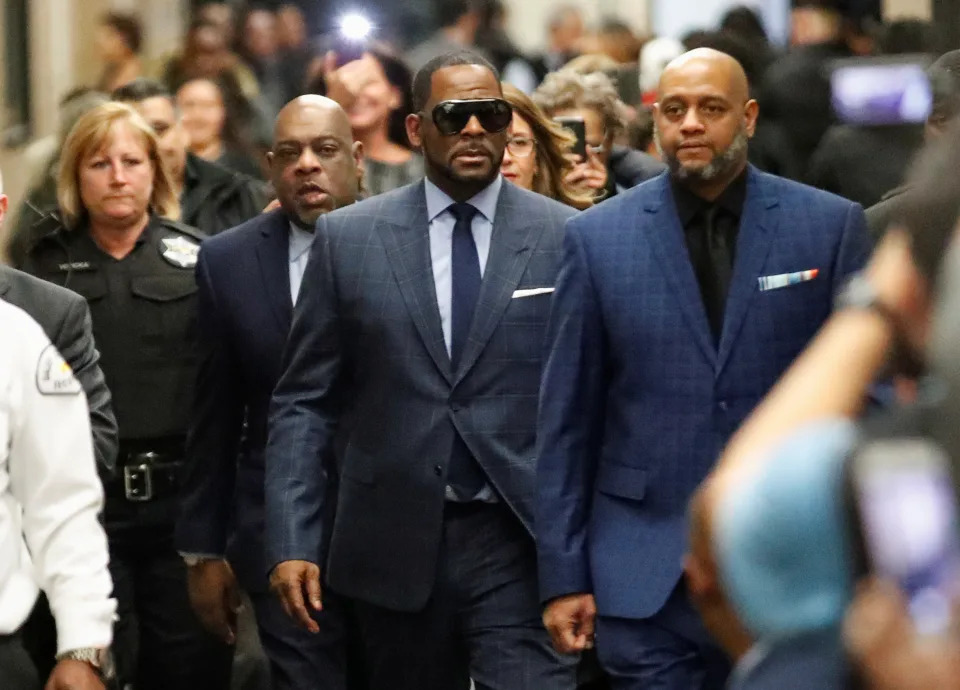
(714, 280)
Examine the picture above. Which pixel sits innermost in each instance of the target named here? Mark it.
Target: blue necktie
(465, 272)
(465, 476)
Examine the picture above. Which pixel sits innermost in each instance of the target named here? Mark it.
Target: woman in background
(118, 41)
(375, 92)
(218, 120)
(537, 153)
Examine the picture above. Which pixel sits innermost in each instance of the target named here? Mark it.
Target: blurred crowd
(815, 490)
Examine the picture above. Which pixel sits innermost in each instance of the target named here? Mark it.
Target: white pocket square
(530, 292)
(786, 279)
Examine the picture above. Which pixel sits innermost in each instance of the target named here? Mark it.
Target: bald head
(704, 117)
(315, 165)
(319, 113)
(709, 66)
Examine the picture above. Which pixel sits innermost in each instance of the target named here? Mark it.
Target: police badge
(180, 252)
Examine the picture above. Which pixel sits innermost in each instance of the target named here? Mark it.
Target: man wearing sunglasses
(411, 373)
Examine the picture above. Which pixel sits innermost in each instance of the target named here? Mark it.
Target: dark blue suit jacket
(637, 401)
(244, 316)
(367, 375)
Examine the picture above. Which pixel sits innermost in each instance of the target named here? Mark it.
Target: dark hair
(944, 75)
(240, 115)
(744, 22)
(932, 204)
(141, 89)
(909, 36)
(128, 26)
(450, 11)
(423, 81)
(399, 77)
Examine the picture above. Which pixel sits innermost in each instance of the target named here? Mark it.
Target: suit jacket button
(456, 407)
(438, 470)
(723, 405)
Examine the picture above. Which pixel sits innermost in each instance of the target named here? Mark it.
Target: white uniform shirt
(50, 494)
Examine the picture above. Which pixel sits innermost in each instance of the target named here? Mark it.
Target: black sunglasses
(494, 115)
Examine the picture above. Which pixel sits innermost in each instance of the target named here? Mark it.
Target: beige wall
(895, 9)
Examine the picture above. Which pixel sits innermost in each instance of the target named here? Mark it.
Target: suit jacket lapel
(4, 280)
(514, 236)
(758, 226)
(273, 254)
(407, 241)
(666, 236)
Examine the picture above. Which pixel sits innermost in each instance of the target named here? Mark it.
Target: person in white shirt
(50, 496)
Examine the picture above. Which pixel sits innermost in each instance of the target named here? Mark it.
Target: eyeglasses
(521, 147)
(494, 115)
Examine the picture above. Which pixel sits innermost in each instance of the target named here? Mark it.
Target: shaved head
(704, 118)
(319, 112)
(713, 66)
(315, 165)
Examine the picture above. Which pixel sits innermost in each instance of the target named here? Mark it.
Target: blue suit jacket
(244, 316)
(367, 376)
(637, 401)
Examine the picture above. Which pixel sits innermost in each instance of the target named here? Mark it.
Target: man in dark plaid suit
(411, 377)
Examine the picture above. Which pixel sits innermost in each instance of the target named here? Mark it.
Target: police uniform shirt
(50, 494)
(144, 309)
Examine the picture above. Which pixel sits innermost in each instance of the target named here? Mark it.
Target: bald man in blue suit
(678, 306)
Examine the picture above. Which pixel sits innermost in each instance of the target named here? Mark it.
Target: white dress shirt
(441, 223)
(50, 494)
(300, 243)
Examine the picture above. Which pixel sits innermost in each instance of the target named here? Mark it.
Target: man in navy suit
(248, 281)
(678, 306)
(412, 373)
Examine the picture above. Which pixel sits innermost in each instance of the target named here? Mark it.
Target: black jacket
(65, 318)
(863, 163)
(887, 210)
(215, 199)
(629, 167)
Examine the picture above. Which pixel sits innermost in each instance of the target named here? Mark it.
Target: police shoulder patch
(54, 375)
(179, 251)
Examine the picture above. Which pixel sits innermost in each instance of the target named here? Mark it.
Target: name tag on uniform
(75, 266)
(786, 279)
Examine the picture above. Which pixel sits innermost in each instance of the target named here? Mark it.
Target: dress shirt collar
(730, 200)
(484, 201)
(300, 242)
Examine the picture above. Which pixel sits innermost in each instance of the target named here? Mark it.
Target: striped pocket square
(786, 279)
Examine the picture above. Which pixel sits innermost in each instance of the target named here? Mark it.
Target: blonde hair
(91, 133)
(567, 89)
(552, 142)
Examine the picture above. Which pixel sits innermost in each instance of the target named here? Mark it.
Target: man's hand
(215, 597)
(290, 581)
(74, 675)
(570, 621)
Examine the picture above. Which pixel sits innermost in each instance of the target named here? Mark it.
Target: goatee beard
(721, 164)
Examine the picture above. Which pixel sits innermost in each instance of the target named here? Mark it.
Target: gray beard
(721, 164)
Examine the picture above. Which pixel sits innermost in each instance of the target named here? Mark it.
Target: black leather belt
(147, 476)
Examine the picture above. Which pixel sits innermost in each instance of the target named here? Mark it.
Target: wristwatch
(860, 294)
(100, 659)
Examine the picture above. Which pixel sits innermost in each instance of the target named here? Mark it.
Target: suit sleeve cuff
(561, 576)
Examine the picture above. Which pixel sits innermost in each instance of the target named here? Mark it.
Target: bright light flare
(355, 27)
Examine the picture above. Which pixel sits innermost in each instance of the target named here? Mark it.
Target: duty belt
(150, 475)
